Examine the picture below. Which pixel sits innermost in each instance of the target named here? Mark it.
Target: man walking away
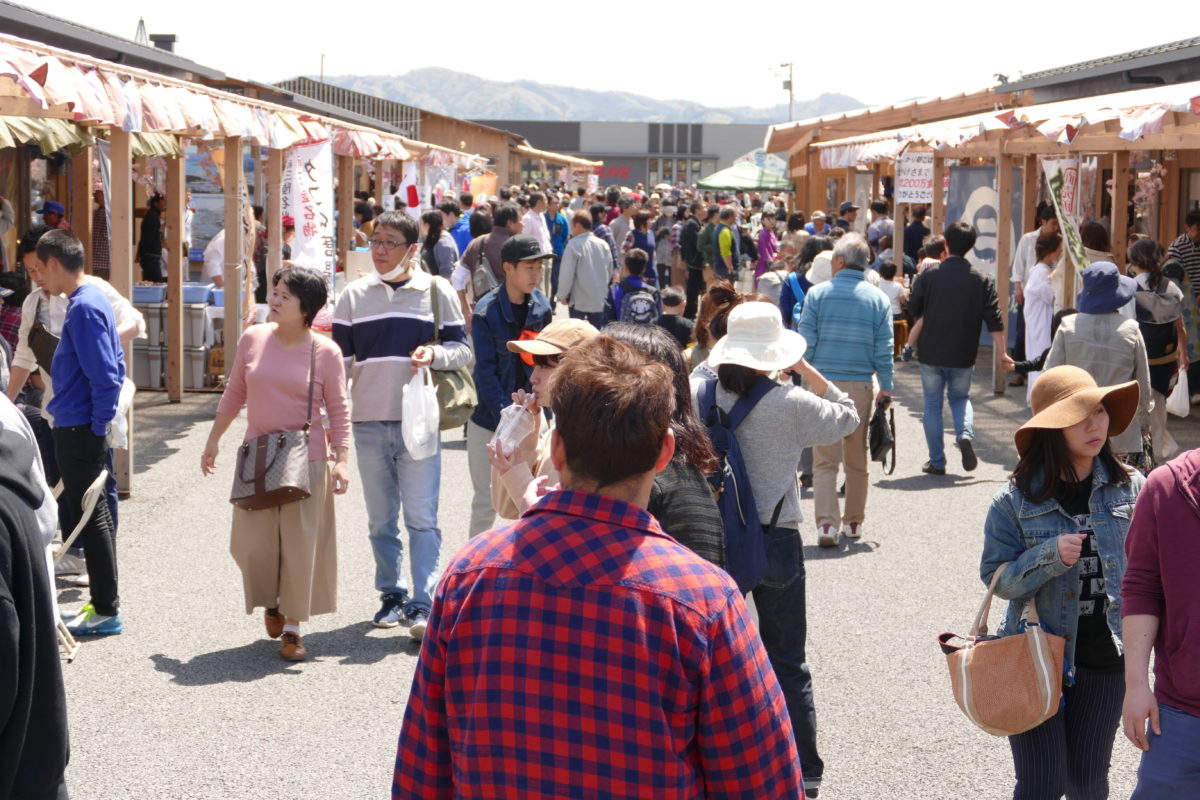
(559, 229)
(727, 245)
(693, 261)
(585, 273)
(150, 244)
(954, 299)
(848, 326)
(666, 628)
(881, 224)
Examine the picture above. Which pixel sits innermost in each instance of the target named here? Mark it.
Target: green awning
(155, 144)
(748, 178)
(50, 134)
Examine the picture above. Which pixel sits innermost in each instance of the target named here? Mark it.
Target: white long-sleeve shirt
(535, 225)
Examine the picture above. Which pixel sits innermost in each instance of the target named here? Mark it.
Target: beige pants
(483, 514)
(850, 451)
(288, 554)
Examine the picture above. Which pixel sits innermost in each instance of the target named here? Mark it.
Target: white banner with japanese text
(914, 178)
(307, 197)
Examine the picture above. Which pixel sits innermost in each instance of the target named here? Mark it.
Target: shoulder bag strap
(437, 310)
(979, 628)
(312, 374)
(742, 408)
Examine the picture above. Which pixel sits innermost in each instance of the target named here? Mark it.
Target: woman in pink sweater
(288, 554)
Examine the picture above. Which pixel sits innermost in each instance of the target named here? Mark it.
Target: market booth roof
(1152, 117)
(556, 158)
(745, 176)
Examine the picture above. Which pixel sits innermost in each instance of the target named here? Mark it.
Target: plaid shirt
(582, 652)
(100, 242)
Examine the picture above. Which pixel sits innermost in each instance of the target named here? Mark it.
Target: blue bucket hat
(51, 207)
(1105, 289)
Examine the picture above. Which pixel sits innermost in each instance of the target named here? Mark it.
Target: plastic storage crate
(148, 367)
(156, 316)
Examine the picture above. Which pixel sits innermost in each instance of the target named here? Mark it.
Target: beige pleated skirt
(288, 554)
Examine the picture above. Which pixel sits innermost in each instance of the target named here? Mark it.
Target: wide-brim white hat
(822, 268)
(757, 339)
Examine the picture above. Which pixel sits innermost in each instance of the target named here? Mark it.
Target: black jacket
(689, 244)
(955, 300)
(33, 707)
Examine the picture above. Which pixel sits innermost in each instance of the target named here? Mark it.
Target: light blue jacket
(1025, 533)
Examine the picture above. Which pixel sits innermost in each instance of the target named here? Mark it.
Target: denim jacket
(498, 371)
(1026, 534)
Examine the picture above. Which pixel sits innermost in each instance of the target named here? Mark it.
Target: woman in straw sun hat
(752, 351)
(1060, 525)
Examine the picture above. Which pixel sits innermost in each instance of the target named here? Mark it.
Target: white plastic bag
(1179, 403)
(420, 415)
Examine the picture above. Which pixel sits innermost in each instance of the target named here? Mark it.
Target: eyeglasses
(547, 362)
(387, 245)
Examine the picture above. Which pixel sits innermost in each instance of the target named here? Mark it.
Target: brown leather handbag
(1010, 684)
(272, 469)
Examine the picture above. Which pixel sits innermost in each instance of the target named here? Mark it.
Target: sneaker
(418, 621)
(89, 623)
(826, 536)
(970, 462)
(930, 469)
(853, 530)
(391, 613)
(70, 565)
(906, 354)
(805, 480)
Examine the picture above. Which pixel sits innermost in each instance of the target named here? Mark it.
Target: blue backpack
(745, 540)
(794, 281)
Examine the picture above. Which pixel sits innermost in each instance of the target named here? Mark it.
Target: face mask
(394, 274)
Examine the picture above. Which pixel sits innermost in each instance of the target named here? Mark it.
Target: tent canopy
(746, 177)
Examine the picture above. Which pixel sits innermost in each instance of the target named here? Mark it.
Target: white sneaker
(70, 565)
(853, 530)
(826, 536)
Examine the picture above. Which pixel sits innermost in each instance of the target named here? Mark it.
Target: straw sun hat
(757, 339)
(1064, 396)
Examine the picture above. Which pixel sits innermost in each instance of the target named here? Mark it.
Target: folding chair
(90, 497)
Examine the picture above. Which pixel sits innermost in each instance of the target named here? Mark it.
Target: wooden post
(877, 181)
(1031, 182)
(259, 178)
(1120, 206)
(274, 214)
(176, 259)
(899, 220)
(1170, 215)
(848, 194)
(1004, 249)
(345, 204)
(81, 202)
(121, 274)
(938, 223)
(234, 215)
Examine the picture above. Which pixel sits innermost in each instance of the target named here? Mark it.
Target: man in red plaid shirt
(582, 652)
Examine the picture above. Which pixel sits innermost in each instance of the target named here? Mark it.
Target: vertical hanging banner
(914, 178)
(1062, 176)
(307, 195)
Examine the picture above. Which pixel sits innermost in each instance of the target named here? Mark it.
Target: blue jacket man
(457, 223)
(516, 309)
(559, 228)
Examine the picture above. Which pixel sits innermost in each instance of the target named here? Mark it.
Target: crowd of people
(646, 446)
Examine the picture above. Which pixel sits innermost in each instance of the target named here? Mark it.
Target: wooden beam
(345, 204)
(176, 259)
(121, 275)
(1004, 250)
(81, 201)
(1120, 205)
(234, 180)
(274, 214)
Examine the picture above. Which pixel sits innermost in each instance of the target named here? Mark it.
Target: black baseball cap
(847, 206)
(522, 247)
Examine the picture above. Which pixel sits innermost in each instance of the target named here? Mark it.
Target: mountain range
(458, 94)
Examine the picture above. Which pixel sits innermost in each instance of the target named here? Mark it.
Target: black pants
(151, 268)
(1070, 752)
(1018, 349)
(695, 288)
(81, 456)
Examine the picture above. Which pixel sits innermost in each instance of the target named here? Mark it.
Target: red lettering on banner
(612, 172)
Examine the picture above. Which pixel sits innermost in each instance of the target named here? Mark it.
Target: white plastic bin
(156, 315)
(195, 367)
(193, 325)
(148, 367)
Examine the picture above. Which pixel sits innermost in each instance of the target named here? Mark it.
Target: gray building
(650, 152)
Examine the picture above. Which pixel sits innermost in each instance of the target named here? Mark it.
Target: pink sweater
(272, 382)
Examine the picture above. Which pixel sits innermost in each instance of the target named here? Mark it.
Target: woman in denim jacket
(1060, 525)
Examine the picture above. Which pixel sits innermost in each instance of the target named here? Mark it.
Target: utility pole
(791, 92)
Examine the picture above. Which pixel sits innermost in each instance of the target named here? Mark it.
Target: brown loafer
(273, 621)
(291, 647)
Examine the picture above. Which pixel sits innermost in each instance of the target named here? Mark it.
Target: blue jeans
(782, 624)
(1170, 769)
(953, 383)
(595, 318)
(392, 479)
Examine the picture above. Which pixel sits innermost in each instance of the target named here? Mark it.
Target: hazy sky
(874, 51)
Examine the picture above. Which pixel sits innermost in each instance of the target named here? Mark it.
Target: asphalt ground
(193, 700)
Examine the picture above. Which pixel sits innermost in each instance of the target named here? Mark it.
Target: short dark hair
(467, 199)
(583, 219)
(613, 406)
(1046, 244)
(641, 219)
(598, 211)
(624, 201)
(505, 213)
(636, 261)
(672, 296)
(365, 210)
(535, 198)
(696, 207)
(505, 194)
(960, 238)
(919, 212)
(479, 223)
(1192, 219)
(29, 239)
(887, 270)
(450, 206)
(935, 245)
(727, 212)
(879, 206)
(64, 247)
(401, 223)
(712, 212)
(1045, 211)
(795, 222)
(1094, 236)
(309, 287)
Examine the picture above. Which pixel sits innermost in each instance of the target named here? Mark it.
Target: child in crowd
(672, 319)
(898, 295)
(632, 299)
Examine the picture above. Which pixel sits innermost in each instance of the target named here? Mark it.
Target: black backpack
(639, 304)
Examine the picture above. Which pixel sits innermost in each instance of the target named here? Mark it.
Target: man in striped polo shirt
(847, 323)
(384, 325)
